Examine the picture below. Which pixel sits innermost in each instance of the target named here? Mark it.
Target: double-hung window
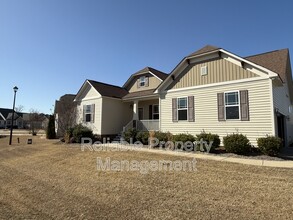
(88, 113)
(232, 105)
(156, 112)
(142, 81)
(182, 108)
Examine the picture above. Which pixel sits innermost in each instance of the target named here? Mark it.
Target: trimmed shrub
(81, 131)
(208, 137)
(237, 143)
(162, 137)
(130, 134)
(270, 145)
(143, 137)
(183, 138)
(50, 132)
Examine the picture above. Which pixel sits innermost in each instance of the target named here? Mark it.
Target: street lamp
(12, 118)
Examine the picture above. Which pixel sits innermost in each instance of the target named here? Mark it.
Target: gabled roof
(205, 49)
(5, 111)
(274, 60)
(159, 74)
(108, 90)
(274, 63)
(15, 117)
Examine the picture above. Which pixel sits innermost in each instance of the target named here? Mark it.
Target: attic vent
(203, 70)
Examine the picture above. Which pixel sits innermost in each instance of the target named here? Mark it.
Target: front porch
(146, 115)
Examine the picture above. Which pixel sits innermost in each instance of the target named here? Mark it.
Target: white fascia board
(82, 89)
(178, 69)
(184, 64)
(2, 116)
(255, 68)
(138, 74)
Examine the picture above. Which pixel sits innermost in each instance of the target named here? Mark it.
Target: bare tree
(19, 108)
(35, 121)
(65, 114)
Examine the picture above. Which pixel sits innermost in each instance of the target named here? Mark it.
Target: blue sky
(50, 47)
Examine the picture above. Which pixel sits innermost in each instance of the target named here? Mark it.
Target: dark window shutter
(244, 105)
(138, 83)
(150, 112)
(93, 113)
(83, 113)
(221, 107)
(174, 110)
(191, 108)
(146, 81)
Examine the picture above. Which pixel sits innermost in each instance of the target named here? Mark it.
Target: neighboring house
(64, 113)
(45, 121)
(6, 116)
(2, 121)
(211, 90)
(17, 120)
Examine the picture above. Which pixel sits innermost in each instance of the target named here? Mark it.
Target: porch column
(135, 110)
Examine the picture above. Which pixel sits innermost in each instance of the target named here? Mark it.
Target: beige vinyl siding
(115, 115)
(154, 82)
(88, 97)
(219, 70)
(96, 125)
(282, 103)
(206, 112)
(89, 92)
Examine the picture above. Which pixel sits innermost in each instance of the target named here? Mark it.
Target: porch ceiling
(141, 95)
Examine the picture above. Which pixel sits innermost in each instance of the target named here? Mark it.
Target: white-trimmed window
(142, 81)
(88, 113)
(182, 109)
(156, 114)
(232, 105)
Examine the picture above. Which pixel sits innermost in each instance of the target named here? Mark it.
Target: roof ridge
(206, 49)
(273, 51)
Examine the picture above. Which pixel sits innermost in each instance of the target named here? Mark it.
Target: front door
(281, 127)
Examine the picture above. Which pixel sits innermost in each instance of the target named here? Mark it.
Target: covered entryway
(281, 126)
(146, 115)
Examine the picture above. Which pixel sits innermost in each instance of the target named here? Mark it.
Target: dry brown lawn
(48, 180)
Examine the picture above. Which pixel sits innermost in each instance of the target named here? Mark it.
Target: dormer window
(142, 81)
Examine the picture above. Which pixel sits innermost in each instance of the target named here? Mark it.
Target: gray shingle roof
(158, 73)
(275, 61)
(205, 49)
(108, 90)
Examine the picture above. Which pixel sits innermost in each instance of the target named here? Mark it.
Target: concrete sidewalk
(206, 156)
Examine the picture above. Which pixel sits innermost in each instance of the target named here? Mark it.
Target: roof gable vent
(203, 70)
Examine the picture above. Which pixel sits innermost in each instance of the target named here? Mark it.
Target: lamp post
(12, 118)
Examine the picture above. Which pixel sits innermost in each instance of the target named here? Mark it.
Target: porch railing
(143, 125)
(147, 125)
